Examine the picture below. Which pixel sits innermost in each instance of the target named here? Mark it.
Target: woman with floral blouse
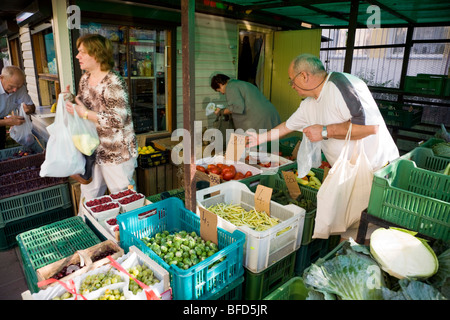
(103, 99)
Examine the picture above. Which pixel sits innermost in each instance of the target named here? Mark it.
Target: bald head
(12, 79)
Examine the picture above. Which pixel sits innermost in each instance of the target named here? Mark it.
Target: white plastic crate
(133, 257)
(263, 157)
(262, 248)
(132, 205)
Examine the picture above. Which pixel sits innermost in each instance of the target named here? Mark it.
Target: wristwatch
(324, 133)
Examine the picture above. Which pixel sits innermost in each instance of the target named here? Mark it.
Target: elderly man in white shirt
(12, 94)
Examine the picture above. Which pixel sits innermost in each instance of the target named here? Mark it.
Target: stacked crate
(27, 200)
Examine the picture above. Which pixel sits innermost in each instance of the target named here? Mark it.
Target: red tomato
(228, 175)
(248, 174)
(201, 168)
(238, 176)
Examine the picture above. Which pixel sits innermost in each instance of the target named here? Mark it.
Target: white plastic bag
(84, 134)
(309, 156)
(22, 134)
(62, 158)
(345, 192)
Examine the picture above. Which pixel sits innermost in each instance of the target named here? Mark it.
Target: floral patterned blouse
(109, 99)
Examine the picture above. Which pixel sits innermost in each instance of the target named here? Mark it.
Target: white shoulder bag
(345, 192)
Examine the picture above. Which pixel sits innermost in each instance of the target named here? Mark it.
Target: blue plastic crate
(202, 280)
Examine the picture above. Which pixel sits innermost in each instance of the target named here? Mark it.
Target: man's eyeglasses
(291, 81)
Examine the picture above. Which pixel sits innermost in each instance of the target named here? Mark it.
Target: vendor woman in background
(103, 99)
(249, 108)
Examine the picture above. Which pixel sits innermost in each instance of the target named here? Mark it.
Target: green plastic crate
(412, 197)
(52, 242)
(425, 84)
(293, 289)
(9, 232)
(400, 115)
(317, 248)
(34, 202)
(424, 158)
(232, 291)
(259, 285)
(431, 142)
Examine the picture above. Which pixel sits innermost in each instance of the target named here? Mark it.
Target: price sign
(262, 198)
(295, 151)
(208, 225)
(325, 173)
(291, 183)
(235, 147)
(214, 179)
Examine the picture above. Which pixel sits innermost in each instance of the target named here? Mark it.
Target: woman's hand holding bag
(62, 158)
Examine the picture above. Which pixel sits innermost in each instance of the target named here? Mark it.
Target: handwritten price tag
(208, 225)
(214, 179)
(235, 147)
(295, 151)
(291, 183)
(262, 198)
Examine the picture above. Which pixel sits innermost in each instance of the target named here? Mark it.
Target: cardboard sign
(208, 225)
(214, 179)
(295, 151)
(325, 173)
(235, 147)
(262, 199)
(291, 183)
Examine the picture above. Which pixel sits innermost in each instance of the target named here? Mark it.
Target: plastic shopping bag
(84, 134)
(345, 192)
(22, 134)
(309, 156)
(62, 158)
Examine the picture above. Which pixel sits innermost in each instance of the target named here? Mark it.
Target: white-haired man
(13, 93)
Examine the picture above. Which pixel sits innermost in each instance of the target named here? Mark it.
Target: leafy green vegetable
(350, 276)
(441, 149)
(413, 290)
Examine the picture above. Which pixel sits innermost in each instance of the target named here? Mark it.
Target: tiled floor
(12, 278)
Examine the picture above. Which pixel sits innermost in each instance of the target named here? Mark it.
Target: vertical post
(351, 36)
(63, 46)
(188, 68)
(406, 53)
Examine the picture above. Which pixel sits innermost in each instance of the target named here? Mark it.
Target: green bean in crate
(204, 279)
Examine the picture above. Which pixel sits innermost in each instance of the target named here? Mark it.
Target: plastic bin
(35, 202)
(262, 248)
(153, 159)
(52, 242)
(202, 280)
(425, 83)
(232, 291)
(10, 230)
(431, 142)
(414, 198)
(277, 183)
(424, 158)
(259, 285)
(9, 163)
(400, 115)
(293, 289)
(317, 248)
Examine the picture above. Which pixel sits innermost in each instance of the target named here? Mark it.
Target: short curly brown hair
(100, 48)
